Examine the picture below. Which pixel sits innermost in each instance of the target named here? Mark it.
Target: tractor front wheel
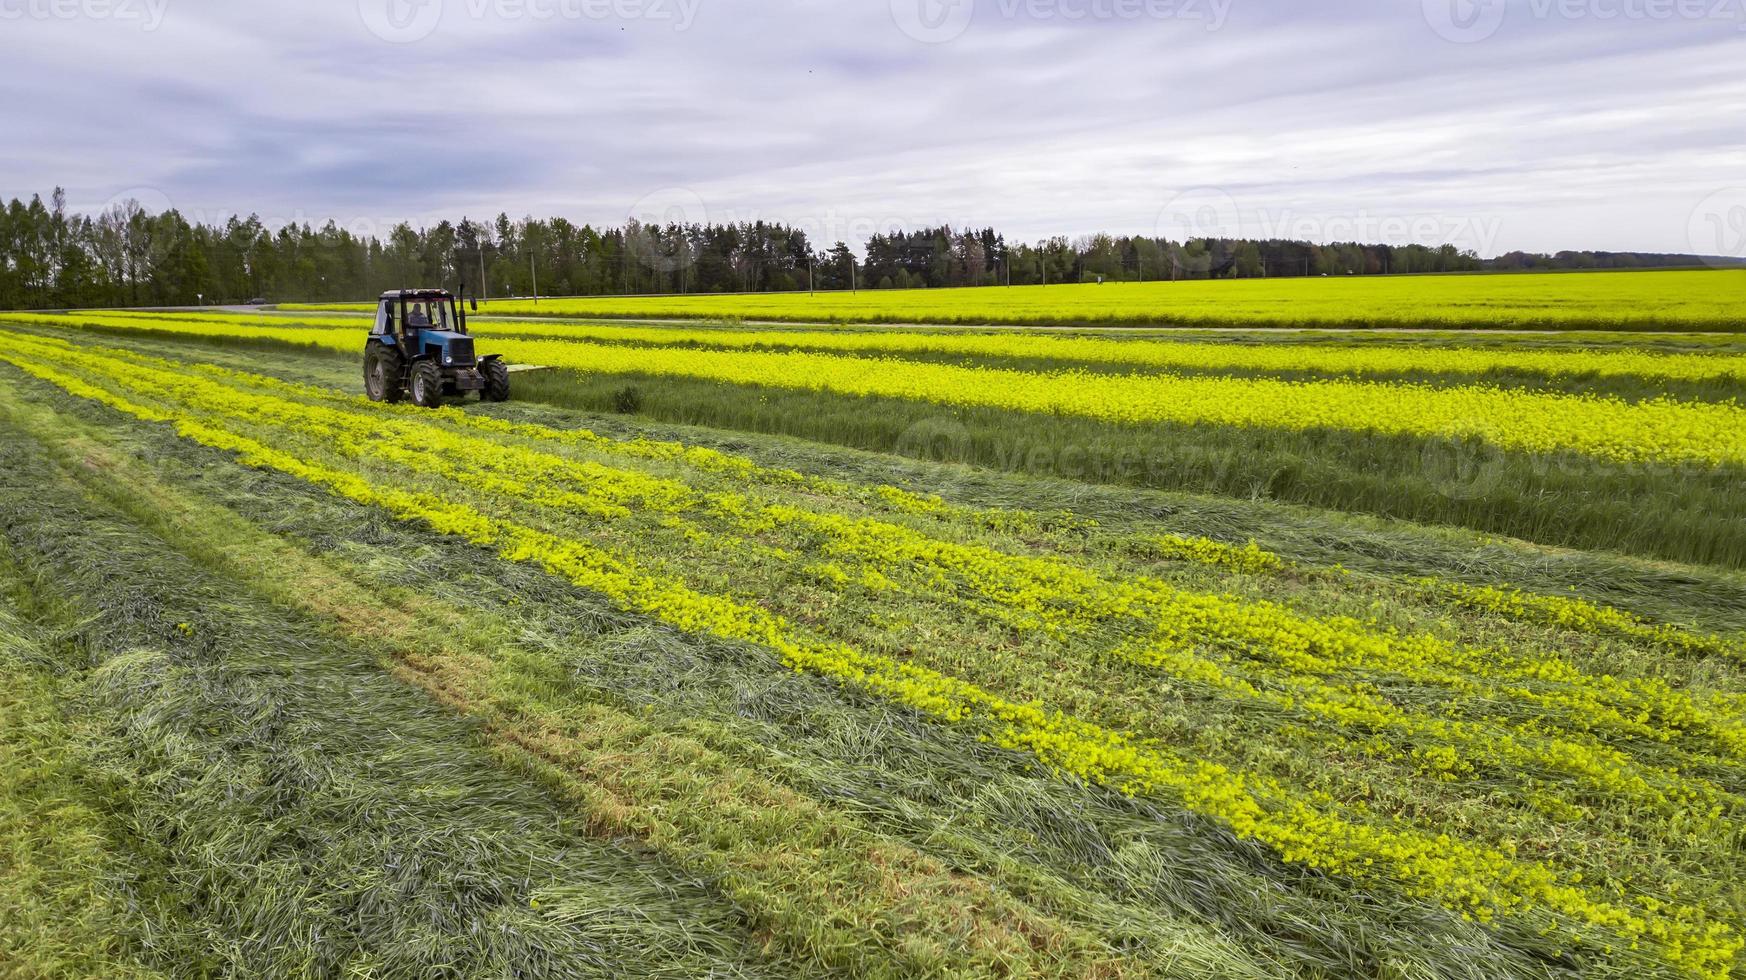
(382, 374)
(496, 381)
(427, 385)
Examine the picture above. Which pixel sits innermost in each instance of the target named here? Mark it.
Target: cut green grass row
(1021, 806)
(283, 807)
(475, 455)
(820, 887)
(243, 493)
(63, 891)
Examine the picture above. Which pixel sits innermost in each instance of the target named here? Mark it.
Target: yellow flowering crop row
(1580, 615)
(540, 480)
(1690, 300)
(1564, 612)
(1057, 595)
(1064, 597)
(1166, 354)
(1143, 353)
(345, 335)
(1205, 551)
(1053, 593)
(1659, 430)
(608, 494)
(1481, 881)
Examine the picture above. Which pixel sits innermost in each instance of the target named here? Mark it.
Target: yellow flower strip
(1248, 558)
(1580, 615)
(608, 491)
(1062, 595)
(608, 494)
(1164, 354)
(1479, 881)
(1564, 612)
(699, 458)
(1453, 749)
(1661, 430)
(1371, 358)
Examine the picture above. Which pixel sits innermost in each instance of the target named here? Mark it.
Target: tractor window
(427, 315)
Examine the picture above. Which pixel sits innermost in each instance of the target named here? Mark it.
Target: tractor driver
(417, 317)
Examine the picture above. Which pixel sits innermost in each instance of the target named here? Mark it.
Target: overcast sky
(1496, 124)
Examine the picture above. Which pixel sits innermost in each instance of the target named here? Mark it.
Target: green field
(838, 651)
(1676, 300)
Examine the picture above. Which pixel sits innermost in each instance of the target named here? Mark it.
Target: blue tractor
(419, 345)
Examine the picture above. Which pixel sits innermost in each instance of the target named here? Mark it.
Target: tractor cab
(419, 344)
(424, 321)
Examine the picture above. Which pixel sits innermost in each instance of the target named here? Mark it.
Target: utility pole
(535, 276)
(809, 264)
(484, 290)
(854, 287)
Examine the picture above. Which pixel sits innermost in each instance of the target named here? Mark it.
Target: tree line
(126, 256)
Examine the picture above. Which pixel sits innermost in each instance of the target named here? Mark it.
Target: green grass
(63, 902)
(768, 786)
(1109, 862)
(281, 806)
(1657, 300)
(776, 853)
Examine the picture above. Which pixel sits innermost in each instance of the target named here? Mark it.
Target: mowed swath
(1089, 663)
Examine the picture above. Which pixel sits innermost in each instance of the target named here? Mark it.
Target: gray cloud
(1554, 124)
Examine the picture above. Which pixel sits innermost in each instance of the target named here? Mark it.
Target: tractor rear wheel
(382, 368)
(426, 384)
(496, 381)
